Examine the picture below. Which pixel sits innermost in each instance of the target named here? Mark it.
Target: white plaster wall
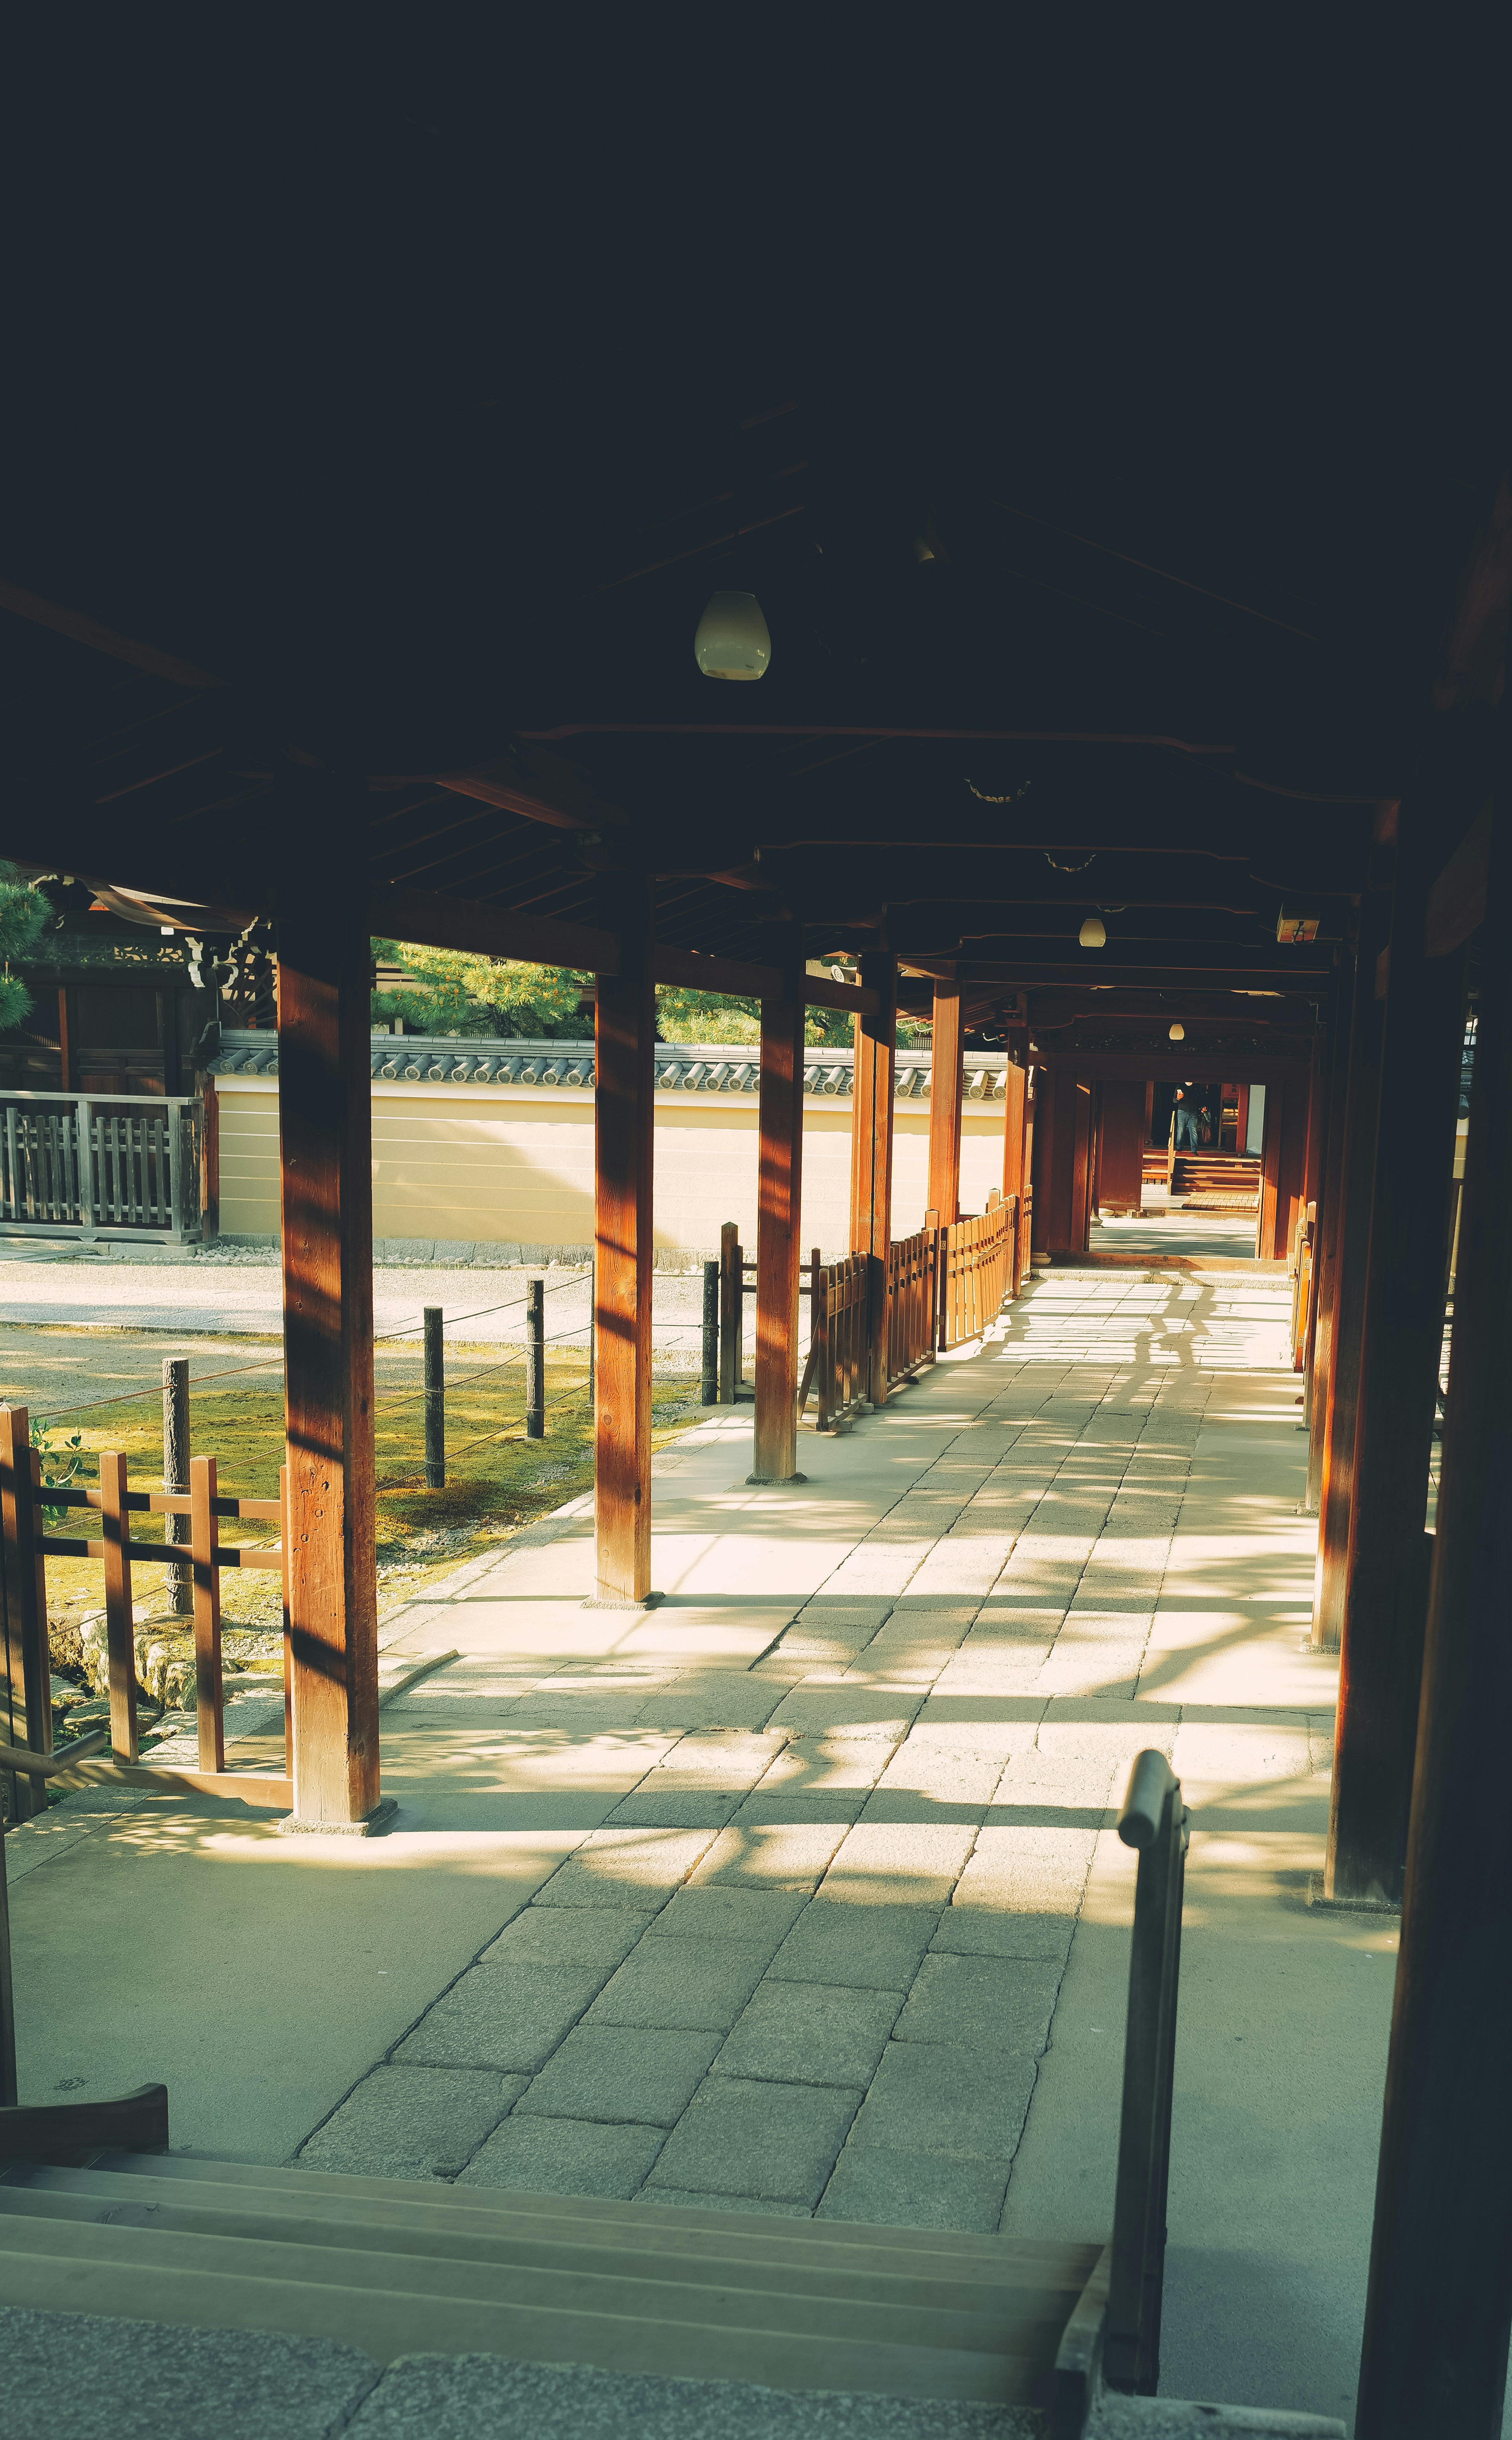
(453, 1162)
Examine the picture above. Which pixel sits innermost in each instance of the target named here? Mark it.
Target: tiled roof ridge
(688, 1067)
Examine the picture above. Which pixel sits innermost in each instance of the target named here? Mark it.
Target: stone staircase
(396, 2269)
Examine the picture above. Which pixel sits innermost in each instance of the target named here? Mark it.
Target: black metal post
(435, 1400)
(176, 1477)
(535, 1360)
(709, 1385)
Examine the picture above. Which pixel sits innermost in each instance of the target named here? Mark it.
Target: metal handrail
(1153, 1821)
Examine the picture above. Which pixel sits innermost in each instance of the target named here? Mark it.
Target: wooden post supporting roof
(325, 1106)
(876, 1034)
(1121, 1146)
(944, 1105)
(778, 1196)
(1439, 2303)
(1357, 1192)
(1015, 1103)
(625, 1040)
(1385, 1598)
(1319, 1379)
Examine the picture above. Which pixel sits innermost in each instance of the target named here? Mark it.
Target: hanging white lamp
(1178, 1032)
(1093, 933)
(733, 640)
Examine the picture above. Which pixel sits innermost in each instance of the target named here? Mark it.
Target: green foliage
(462, 993)
(24, 911)
(60, 1462)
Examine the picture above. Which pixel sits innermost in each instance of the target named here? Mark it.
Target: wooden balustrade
(71, 1165)
(943, 1286)
(27, 1546)
(976, 1258)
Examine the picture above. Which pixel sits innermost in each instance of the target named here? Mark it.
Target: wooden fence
(976, 1257)
(943, 1286)
(25, 1550)
(72, 1166)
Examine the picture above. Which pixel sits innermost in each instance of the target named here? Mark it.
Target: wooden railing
(26, 1547)
(914, 1301)
(942, 1287)
(974, 1259)
(73, 1165)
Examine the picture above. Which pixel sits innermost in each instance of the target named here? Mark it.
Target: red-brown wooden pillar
(1357, 1194)
(1320, 1372)
(876, 1039)
(1439, 2305)
(944, 1105)
(325, 1130)
(1385, 1597)
(624, 1037)
(779, 1190)
(1012, 1164)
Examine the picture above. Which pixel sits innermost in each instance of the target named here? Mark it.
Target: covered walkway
(804, 1880)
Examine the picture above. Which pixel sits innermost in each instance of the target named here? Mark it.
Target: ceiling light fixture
(734, 641)
(1177, 1033)
(1093, 933)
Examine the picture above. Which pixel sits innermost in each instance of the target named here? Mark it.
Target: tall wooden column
(779, 1190)
(944, 1105)
(876, 1040)
(1439, 2305)
(325, 1130)
(624, 1037)
(1325, 1256)
(1357, 1195)
(1014, 1180)
(1385, 1598)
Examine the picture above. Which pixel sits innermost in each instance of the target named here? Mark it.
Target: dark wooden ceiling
(1104, 573)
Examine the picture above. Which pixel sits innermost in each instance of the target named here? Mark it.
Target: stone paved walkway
(801, 1891)
(837, 1801)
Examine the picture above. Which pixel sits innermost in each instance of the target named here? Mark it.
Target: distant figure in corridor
(1186, 1124)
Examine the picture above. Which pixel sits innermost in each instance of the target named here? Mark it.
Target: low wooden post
(780, 1179)
(28, 1666)
(872, 1086)
(1357, 1193)
(205, 1545)
(1439, 2303)
(120, 1643)
(708, 1369)
(1384, 1604)
(625, 1040)
(435, 1360)
(325, 1119)
(729, 1314)
(535, 1359)
(176, 1477)
(945, 1104)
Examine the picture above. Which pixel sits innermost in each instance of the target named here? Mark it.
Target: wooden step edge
(596, 2208)
(642, 2290)
(385, 2324)
(1053, 2270)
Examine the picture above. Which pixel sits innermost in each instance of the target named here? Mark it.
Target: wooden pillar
(872, 1145)
(624, 1046)
(1385, 1595)
(1320, 1374)
(1439, 2303)
(1081, 1189)
(1357, 1193)
(1121, 1152)
(945, 1106)
(325, 1127)
(779, 1190)
(1014, 1112)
